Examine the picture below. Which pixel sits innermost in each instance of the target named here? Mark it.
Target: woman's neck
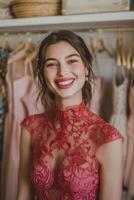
(63, 103)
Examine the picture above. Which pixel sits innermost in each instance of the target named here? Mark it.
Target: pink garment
(129, 170)
(63, 148)
(97, 92)
(29, 101)
(16, 60)
(21, 87)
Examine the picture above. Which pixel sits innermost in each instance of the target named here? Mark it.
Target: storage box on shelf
(86, 6)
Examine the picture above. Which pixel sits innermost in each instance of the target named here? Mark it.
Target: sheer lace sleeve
(34, 124)
(27, 123)
(103, 133)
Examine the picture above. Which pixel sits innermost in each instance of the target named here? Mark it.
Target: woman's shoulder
(35, 122)
(103, 132)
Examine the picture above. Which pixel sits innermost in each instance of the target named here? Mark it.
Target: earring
(86, 78)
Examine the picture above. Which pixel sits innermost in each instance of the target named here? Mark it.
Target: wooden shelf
(72, 22)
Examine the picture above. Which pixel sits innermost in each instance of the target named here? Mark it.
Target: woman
(68, 152)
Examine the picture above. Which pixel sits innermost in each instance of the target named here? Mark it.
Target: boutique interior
(112, 47)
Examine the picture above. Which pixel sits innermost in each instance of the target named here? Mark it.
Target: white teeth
(65, 82)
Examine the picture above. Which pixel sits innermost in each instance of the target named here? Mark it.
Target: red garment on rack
(63, 146)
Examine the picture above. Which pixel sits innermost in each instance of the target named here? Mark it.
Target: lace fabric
(63, 147)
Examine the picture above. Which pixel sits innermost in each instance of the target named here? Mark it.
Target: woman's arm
(110, 156)
(24, 185)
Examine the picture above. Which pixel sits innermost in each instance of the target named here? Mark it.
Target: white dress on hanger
(119, 115)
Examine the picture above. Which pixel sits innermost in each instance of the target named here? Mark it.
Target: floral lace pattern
(63, 148)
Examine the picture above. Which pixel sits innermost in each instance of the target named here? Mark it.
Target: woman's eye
(72, 61)
(51, 64)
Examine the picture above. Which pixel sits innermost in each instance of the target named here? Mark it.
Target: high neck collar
(70, 111)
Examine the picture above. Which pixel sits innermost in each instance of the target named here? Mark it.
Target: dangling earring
(86, 78)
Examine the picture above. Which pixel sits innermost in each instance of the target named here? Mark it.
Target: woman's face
(64, 71)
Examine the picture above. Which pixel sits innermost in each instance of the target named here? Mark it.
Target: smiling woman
(76, 51)
(68, 152)
(64, 73)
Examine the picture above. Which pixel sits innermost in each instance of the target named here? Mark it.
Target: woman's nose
(63, 69)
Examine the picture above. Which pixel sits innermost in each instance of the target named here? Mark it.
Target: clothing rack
(107, 30)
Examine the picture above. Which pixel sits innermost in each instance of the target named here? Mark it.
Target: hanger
(31, 49)
(121, 69)
(120, 51)
(32, 56)
(92, 49)
(130, 64)
(29, 46)
(93, 53)
(101, 47)
(20, 45)
(6, 44)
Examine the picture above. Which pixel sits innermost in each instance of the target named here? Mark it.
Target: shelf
(72, 22)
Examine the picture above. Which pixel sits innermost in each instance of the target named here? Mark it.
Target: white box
(95, 6)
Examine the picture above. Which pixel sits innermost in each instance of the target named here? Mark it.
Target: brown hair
(76, 42)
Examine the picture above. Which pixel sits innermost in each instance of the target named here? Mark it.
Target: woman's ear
(86, 71)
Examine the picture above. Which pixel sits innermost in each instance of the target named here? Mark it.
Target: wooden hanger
(93, 52)
(6, 44)
(20, 45)
(121, 71)
(32, 56)
(31, 49)
(31, 59)
(29, 44)
(120, 52)
(130, 64)
(101, 47)
(91, 46)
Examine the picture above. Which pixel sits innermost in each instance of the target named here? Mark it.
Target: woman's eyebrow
(74, 54)
(50, 59)
(54, 59)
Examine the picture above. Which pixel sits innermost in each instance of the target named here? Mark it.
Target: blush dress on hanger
(30, 102)
(97, 93)
(129, 170)
(63, 149)
(16, 89)
(20, 83)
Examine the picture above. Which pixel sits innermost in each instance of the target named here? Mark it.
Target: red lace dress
(63, 146)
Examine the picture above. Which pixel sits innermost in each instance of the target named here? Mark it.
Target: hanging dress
(4, 53)
(119, 116)
(21, 82)
(97, 93)
(129, 168)
(30, 102)
(96, 88)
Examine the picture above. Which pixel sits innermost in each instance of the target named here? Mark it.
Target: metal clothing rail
(27, 33)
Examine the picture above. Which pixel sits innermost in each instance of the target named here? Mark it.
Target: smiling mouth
(64, 83)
